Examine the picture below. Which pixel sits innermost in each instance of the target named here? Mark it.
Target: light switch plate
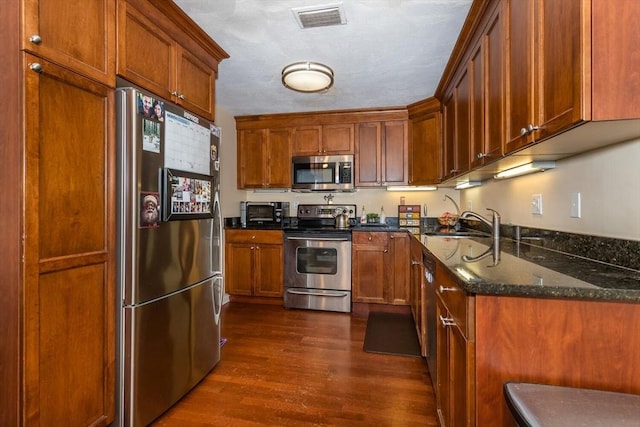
(536, 204)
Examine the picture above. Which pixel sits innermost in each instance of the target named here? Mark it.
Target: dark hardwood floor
(304, 368)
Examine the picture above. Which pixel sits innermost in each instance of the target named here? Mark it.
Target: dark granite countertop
(525, 269)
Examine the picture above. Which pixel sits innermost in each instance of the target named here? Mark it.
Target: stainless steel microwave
(263, 213)
(322, 173)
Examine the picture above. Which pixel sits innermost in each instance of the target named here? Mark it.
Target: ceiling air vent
(320, 16)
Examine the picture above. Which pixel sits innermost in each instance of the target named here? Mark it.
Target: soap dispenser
(363, 216)
(383, 217)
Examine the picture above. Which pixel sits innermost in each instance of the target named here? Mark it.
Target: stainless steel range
(317, 259)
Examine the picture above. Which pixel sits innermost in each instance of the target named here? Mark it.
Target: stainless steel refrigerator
(169, 263)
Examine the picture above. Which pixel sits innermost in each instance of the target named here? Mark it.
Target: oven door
(318, 261)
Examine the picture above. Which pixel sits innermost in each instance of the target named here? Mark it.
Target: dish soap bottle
(363, 216)
(383, 217)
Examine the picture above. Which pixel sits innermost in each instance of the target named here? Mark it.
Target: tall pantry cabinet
(57, 216)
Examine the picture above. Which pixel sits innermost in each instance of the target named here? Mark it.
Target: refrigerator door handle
(216, 291)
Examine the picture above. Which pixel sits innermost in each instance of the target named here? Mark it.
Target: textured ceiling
(389, 53)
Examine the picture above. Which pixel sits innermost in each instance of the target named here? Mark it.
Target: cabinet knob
(523, 131)
(174, 93)
(35, 66)
(480, 156)
(181, 96)
(369, 238)
(415, 262)
(392, 237)
(386, 250)
(35, 39)
(253, 247)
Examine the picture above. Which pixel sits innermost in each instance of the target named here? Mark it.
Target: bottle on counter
(363, 216)
(383, 217)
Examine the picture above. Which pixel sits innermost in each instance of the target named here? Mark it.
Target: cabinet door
(463, 123)
(338, 139)
(251, 158)
(521, 109)
(196, 84)
(443, 381)
(69, 229)
(448, 157)
(477, 104)
(399, 269)
(394, 153)
(239, 268)
(494, 56)
(146, 54)
(269, 270)
(425, 155)
(460, 378)
(307, 141)
(279, 158)
(80, 37)
(559, 59)
(368, 157)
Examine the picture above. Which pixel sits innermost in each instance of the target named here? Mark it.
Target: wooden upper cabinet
(486, 66)
(264, 158)
(381, 154)
(338, 139)
(307, 141)
(196, 82)
(546, 75)
(449, 136)
(463, 123)
(82, 38)
(324, 140)
(155, 54)
(425, 154)
(395, 170)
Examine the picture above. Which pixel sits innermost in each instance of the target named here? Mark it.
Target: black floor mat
(391, 333)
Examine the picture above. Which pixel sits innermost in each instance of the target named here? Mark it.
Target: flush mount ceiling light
(307, 77)
(525, 169)
(467, 184)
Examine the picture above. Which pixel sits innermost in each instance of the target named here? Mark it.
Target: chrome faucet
(494, 223)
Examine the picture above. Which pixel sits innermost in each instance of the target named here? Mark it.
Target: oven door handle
(319, 239)
(321, 294)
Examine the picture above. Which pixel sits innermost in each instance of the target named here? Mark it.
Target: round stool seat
(534, 405)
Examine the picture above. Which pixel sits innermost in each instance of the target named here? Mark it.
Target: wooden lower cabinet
(455, 353)
(484, 341)
(380, 267)
(254, 263)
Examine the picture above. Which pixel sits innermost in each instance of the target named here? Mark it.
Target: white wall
(608, 181)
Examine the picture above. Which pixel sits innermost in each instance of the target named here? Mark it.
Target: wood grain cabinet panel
(81, 38)
(254, 263)
(380, 267)
(69, 261)
(156, 55)
(324, 140)
(425, 153)
(264, 158)
(382, 154)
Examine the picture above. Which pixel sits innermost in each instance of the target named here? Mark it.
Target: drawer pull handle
(447, 321)
(445, 289)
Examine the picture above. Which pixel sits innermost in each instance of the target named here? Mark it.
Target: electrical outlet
(536, 204)
(576, 209)
(469, 205)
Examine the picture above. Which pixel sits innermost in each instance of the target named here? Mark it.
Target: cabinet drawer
(253, 236)
(454, 298)
(370, 238)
